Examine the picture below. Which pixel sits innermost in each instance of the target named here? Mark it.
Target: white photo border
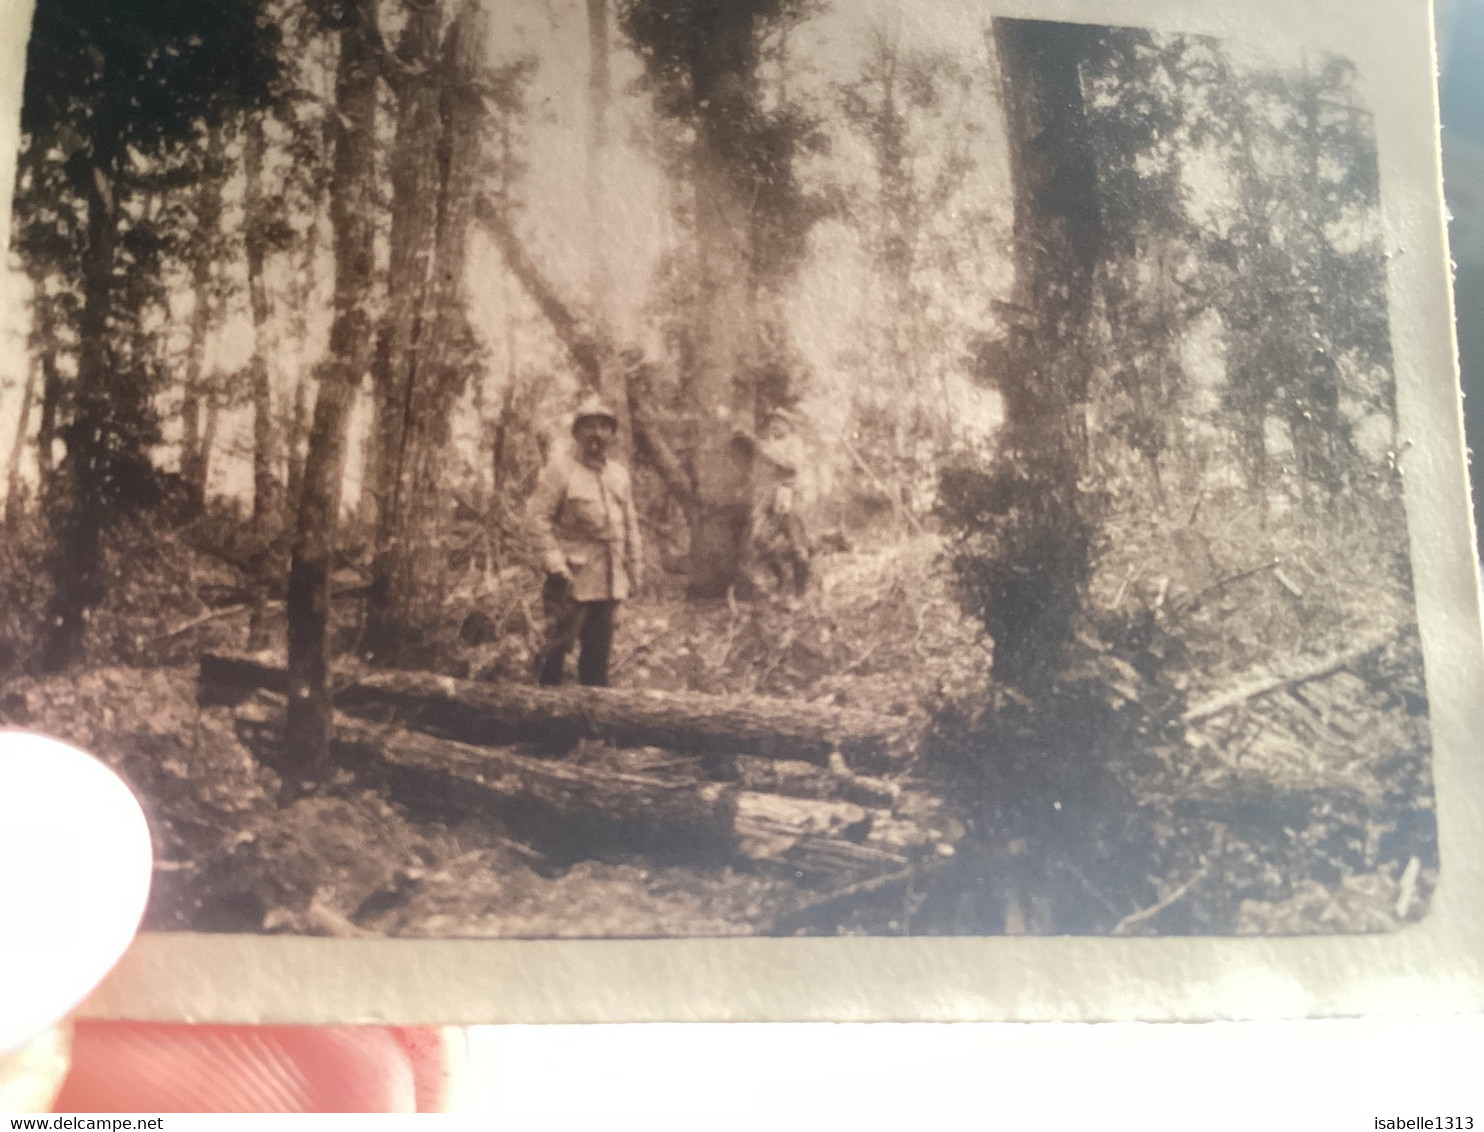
(1435, 966)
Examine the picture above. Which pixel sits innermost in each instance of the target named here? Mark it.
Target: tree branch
(580, 344)
(1173, 896)
(586, 352)
(1221, 584)
(1325, 666)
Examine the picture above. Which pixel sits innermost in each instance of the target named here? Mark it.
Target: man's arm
(542, 510)
(784, 455)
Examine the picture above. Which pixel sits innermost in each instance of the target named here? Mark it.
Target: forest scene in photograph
(533, 468)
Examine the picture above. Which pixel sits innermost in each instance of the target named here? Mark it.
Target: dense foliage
(117, 95)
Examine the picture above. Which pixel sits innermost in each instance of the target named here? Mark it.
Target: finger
(165, 1067)
(75, 867)
(31, 1076)
(439, 1056)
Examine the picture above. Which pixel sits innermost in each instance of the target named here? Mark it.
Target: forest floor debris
(1290, 809)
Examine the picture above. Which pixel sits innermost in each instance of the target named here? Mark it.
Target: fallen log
(228, 680)
(770, 825)
(835, 857)
(554, 807)
(495, 714)
(814, 838)
(808, 780)
(592, 810)
(570, 810)
(563, 789)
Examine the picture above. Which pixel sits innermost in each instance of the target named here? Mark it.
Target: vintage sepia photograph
(530, 469)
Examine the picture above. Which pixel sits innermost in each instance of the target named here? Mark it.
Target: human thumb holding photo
(75, 867)
(75, 863)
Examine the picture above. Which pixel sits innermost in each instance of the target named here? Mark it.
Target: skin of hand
(75, 865)
(166, 1067)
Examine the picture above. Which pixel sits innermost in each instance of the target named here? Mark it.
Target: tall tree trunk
(13, 462)
(1319, 431)
(1245, 317)
(77, 557)
(208, 435)
(599, 95)
(44, 344)
(46, 428)
(296, 435)
(265, 432)
(430, 372)
(203, 316)
(896, 219)
(600, 276)
(403, 336)
(580, 345)
(1058, 245)
(296, 419)
(309, 724)
(721, 388)
(265, 504)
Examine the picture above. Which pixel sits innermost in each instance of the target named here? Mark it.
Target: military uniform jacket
(586, 520)
(777, 466)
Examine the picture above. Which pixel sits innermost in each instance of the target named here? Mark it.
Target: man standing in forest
(587, 529)
(778, 538)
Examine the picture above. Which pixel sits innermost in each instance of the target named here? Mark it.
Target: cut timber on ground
(584, 809)
(487, 714)
(566, 790)
(709, 818)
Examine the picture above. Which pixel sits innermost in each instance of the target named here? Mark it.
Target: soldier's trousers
(587, 624)
(780, 543)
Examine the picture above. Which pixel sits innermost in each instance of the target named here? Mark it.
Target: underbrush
(23, 591)
(1236, 742)
(1092, 814)
(233, 855)
(1117, 801)
(175, 589)
(1241, 589)
(881, 628)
